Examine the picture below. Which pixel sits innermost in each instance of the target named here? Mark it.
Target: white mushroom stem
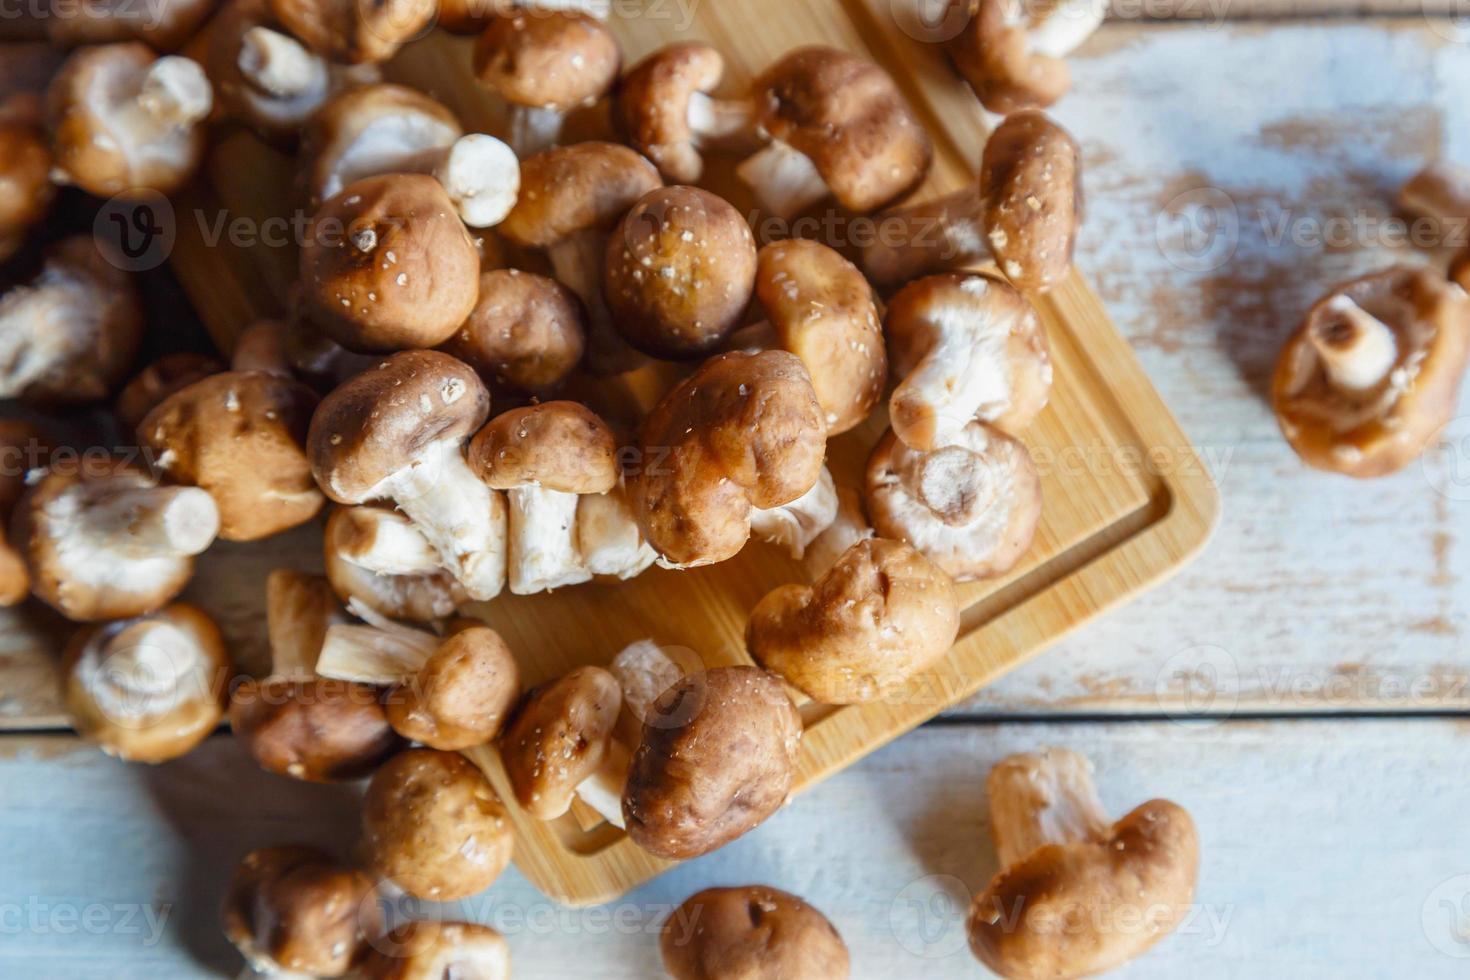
(380, 654)
(723, 124)
(1358, 350)
(150, 522)
(946, 232)
(533, 129)
(543, 541)
(795, 525)
(577, 262)
(1039, 798)
(174, 91)
(457, 513)
(55, 321)
(1058, 27)
(603, 790)
(299, 609)
(480, 174)
(608, 537)
(141, 669)
(280, 65)
(785, 181)
(848, 528)
(386, 543)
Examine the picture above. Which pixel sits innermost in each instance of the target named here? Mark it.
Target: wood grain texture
(1324, 854)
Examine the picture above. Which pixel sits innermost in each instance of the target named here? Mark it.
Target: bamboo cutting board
(1126, 499)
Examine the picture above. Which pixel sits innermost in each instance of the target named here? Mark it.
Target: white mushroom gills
(141, 669)
(848, 527)
(784, 180)
(796, 524)
(55, 321)
(280, 65)
(1358, 350)
(1039, 798)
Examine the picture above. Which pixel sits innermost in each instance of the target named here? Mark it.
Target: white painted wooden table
(1332, 827)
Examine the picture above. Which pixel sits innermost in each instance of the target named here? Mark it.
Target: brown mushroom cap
(378, 422)
(1419, 325)
(653, 106)
(964, 347)
(679, 272)
(970, 507)
(750, 933)
(560, 446)
(825, 313)
(559, 737)
(881, 615)
(164, 25)
(994, 54)
(527, 331)
(430, 950)
(318, 730)
(547, 59)
(422, 598)
(25, 183)
(743, 431)
(241, 435)
(168, 374)
(718, 757)
(847, 116)
(1460, 270)
(148, 689)
(431, 822)
(461, 695)
(582, 187)
(1031, 181)
(354, 32)
(388, 265)
(298, 909)
(393, 120)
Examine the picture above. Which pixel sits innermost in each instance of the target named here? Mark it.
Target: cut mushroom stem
(797, 524)
(543, 539)
(380, 654)
(480, 174)
(603, 790)
(1358, 350)
(784, 180)
(385, 542)
(175, 91)
(151, 522)
(279, 64)
(1045, 797)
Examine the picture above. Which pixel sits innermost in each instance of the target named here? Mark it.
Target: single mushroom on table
(23, 447)
(149, 387)
(1011, 52)
(295, 722)
(241, 435)
(103, 540)
(295, 911)
(571, 199)
(376, 130)
(69, 335)
(123, 119)
(1077, 894)
(964, 347)
(164, 25)
(545, 457)
(545, 63)
(448, 692)
(151, 688)
(1373, 373)
(397, 432)
(668, 114)
(743, 432)
(883, 614)
(559, 738)
(819, 307)
(718, 756)
(679, 272)
(353, 32)
(840, 128)
(751, 933)
(970, 506)
(1024, 211)
(26, 190)
(434, 827)
(376, 557)
(387, 265)
(435, 950)
(527, 332)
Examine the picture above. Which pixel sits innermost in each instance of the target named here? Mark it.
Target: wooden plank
(1299, 821)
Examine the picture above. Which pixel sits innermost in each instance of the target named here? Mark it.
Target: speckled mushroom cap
(352, 31)
(526, 331)
(377, 422)
(432, 824)
(388, 265)
(879, 616)
(421, 598)
(824, 312)
(462, 694)
(149, 387)
(970, 507)
(558, 445)
(547, 59)
(26, 190)
(318, 730)
(558, 737)
(433, 950)
(1370, 429)
(298, 909)
(995, 56)
(848, 117)
(751, 933)
(1031, 182)
(241, 435)
(653, 106)
(581, 187)
(718, 757)
(387, 120)
(743, 431)
(148, 689)
(679, 272)
(964, 347)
